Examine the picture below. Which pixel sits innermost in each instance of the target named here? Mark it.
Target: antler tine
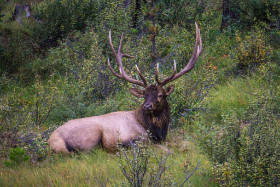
(111, 45)
(141, 76)
(196, 53)
(162, 83)
(119, 57)
(157, 79)
(111, 69)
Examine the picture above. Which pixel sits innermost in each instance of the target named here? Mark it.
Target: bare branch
(187, 178)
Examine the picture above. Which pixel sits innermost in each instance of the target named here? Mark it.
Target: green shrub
(86, 77)
(58, 18)
(14, 118)
(183, 12)
(259, 11)
(116, 17)
(26, 110)
(36, 144)
(251, 51)
(245, 151)
(17, 156)
(190, 93)
(18, 47)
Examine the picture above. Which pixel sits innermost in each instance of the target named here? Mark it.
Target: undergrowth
(241, 133)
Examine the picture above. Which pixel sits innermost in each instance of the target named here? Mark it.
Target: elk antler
(119, 57)
(196, 52)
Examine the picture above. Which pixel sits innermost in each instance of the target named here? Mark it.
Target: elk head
(155, 108)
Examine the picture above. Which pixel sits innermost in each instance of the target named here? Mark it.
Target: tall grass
(234, 96)
(100, 168)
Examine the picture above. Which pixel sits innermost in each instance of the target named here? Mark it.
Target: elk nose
(147, 106)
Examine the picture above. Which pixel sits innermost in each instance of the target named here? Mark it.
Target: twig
(197, 166)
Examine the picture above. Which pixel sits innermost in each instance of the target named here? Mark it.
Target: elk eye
(160, 95)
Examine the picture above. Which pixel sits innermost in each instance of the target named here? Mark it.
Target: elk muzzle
(147, 106)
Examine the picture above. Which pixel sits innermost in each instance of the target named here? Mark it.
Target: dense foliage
(54, 68)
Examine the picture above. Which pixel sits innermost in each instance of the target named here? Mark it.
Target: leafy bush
(251, 51)
(13, 119)
(36, 144)
(58, 18)
(91, 74)
(189, 96)
(30, 146)
(26, 109)
(17, 156)
(257, 11)
(182, 12)
(87, 80)
(116, 16)
(18, 47)
(53, 21)
(245, 151)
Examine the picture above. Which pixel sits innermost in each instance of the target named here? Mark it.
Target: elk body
(109, 130)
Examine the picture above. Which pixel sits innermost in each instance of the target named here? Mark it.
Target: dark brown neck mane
(156, 123)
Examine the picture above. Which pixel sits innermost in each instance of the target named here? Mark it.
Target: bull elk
(124, 126)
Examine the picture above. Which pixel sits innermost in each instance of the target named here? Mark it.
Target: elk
(123, 127)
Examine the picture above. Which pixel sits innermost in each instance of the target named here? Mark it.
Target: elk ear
(169, 90)
(136, 92)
